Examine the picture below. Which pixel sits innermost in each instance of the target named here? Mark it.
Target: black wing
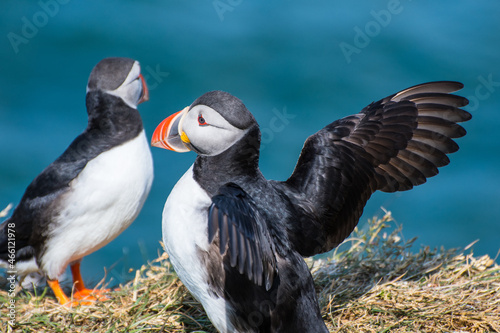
(242, 234)
(391, 145)
(36, 208)
(111, 123)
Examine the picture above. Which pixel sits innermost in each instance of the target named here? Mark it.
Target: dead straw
(372, 283)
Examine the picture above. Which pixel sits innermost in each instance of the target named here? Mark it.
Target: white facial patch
(214, 137)
(130, 90)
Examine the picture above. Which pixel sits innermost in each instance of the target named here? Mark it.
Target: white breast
(103, 201)
(185, 232)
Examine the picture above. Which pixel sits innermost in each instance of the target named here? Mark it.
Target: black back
(111, 123)
(281, 298)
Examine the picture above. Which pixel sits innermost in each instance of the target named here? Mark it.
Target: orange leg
(56, 288)
(61, 296)
(77, 277)
(81, 292)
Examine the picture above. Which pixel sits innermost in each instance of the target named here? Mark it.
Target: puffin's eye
(202, 121)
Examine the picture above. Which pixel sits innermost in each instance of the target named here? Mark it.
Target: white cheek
(129, 93)
(130, 90)
(211, 139)
(134, 91)
(214, 140)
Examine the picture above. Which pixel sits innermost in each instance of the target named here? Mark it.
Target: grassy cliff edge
(374, 282)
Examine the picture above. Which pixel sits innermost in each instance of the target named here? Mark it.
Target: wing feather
(243, 235)
(391, 145)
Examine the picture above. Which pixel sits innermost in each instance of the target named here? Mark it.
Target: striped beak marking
(169, 135)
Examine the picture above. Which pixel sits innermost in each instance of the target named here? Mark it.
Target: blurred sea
(315, 61)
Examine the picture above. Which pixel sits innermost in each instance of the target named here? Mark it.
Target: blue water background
(305, 59)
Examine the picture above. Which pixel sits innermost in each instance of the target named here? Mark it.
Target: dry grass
(379, 285)
(375, 285)
(155, 301)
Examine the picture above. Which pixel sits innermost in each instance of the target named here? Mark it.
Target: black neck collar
(111, 116)
(238, 162)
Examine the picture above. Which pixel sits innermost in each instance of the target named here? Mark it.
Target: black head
(228, 106)
(120, 77)
(213, 123)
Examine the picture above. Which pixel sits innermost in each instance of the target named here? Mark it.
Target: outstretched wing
(242, 235)
(391, 145)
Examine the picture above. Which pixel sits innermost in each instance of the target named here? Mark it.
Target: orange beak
(169, 135)
(145, 91)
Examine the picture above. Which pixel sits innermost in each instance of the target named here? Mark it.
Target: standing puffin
(237, 240)
(93, 191)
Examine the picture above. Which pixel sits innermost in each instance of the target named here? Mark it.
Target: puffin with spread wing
(237, 240)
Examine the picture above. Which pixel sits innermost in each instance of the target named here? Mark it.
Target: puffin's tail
(4, 244)
(15, 250)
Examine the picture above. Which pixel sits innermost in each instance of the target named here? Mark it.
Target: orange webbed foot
(83, 294)
(91, 294)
